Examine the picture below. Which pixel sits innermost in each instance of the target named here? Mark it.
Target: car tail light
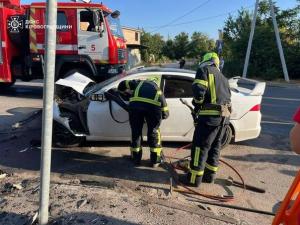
(255, 108)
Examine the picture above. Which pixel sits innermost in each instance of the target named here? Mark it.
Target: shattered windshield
(115, 26)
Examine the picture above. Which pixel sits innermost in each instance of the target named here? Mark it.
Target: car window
(178, 87)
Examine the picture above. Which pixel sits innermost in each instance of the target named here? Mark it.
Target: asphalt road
(278, 107)
(268, 157)
(19, 101)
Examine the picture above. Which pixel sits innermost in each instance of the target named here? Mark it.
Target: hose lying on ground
(174, 174)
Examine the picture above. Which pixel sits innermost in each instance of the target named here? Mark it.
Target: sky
(152, 14)
(205, 16)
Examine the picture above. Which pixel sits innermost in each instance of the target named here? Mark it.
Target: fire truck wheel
(62, 137)
(7, 85)
(227, 137)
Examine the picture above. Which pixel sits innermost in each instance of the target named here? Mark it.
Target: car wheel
(62, 137)
(227, 137)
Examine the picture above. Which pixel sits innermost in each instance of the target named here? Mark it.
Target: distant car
(88, 114)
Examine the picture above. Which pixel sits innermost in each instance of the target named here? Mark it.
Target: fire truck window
(86, 21)
(62, 22)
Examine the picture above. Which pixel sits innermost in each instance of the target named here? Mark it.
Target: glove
(165, 115)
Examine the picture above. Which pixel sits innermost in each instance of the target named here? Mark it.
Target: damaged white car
(87, 111)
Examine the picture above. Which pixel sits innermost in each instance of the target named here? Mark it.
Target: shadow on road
(73, 218)
(17, 154)
(23, 91)
(18, 115)
(73, 162)
(283, 159)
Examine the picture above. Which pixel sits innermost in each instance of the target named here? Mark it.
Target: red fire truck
(89, 40)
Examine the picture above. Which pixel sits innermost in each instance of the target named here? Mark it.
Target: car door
(90, 41)
(101, 123)
(180, 124)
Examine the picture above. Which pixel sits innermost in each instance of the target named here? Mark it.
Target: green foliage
(199, 45)
(264, 58)
(168, 49)
(181, 45)
(155, 45)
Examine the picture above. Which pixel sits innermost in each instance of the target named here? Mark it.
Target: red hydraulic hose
(213, 197)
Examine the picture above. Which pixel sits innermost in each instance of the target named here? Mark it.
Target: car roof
(159, 70)
(145, 71)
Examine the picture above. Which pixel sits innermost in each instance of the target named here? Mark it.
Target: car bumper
(248, 127)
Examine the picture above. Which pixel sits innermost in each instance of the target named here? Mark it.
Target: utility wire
(202, 19)
(180, 17)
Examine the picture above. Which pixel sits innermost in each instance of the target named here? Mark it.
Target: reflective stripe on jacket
(210, 87)
(147, 92)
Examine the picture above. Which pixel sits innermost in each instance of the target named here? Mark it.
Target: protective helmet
(122, 86)
(213, 57)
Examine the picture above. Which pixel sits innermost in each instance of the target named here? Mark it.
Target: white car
(89, 115)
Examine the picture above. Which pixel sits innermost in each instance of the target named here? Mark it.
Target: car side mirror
(115, 14)
(98, 97)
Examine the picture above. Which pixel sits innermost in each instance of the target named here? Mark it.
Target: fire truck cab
(89, 40)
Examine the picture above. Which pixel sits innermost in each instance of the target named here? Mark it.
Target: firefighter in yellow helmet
(212, 107)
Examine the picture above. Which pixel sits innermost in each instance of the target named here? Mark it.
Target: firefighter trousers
(137, 117)
(206, 146)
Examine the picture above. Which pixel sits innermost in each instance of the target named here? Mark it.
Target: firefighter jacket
(146, 94)
(211, 90)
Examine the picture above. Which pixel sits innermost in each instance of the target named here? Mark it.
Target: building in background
(133, 42)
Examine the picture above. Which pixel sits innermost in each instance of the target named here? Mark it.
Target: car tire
(227, 137)
(63, 138)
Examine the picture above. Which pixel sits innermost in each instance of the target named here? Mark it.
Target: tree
(264, 59)
(168, 49)
(181, 45)
(200, 44)
(154, 45)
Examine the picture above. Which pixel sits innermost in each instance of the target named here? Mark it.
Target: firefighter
(147, 103)
(212, 107)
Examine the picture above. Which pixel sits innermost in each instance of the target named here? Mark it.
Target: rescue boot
(187, 180)
(155, 159)
(137, 157)
(209, 176)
